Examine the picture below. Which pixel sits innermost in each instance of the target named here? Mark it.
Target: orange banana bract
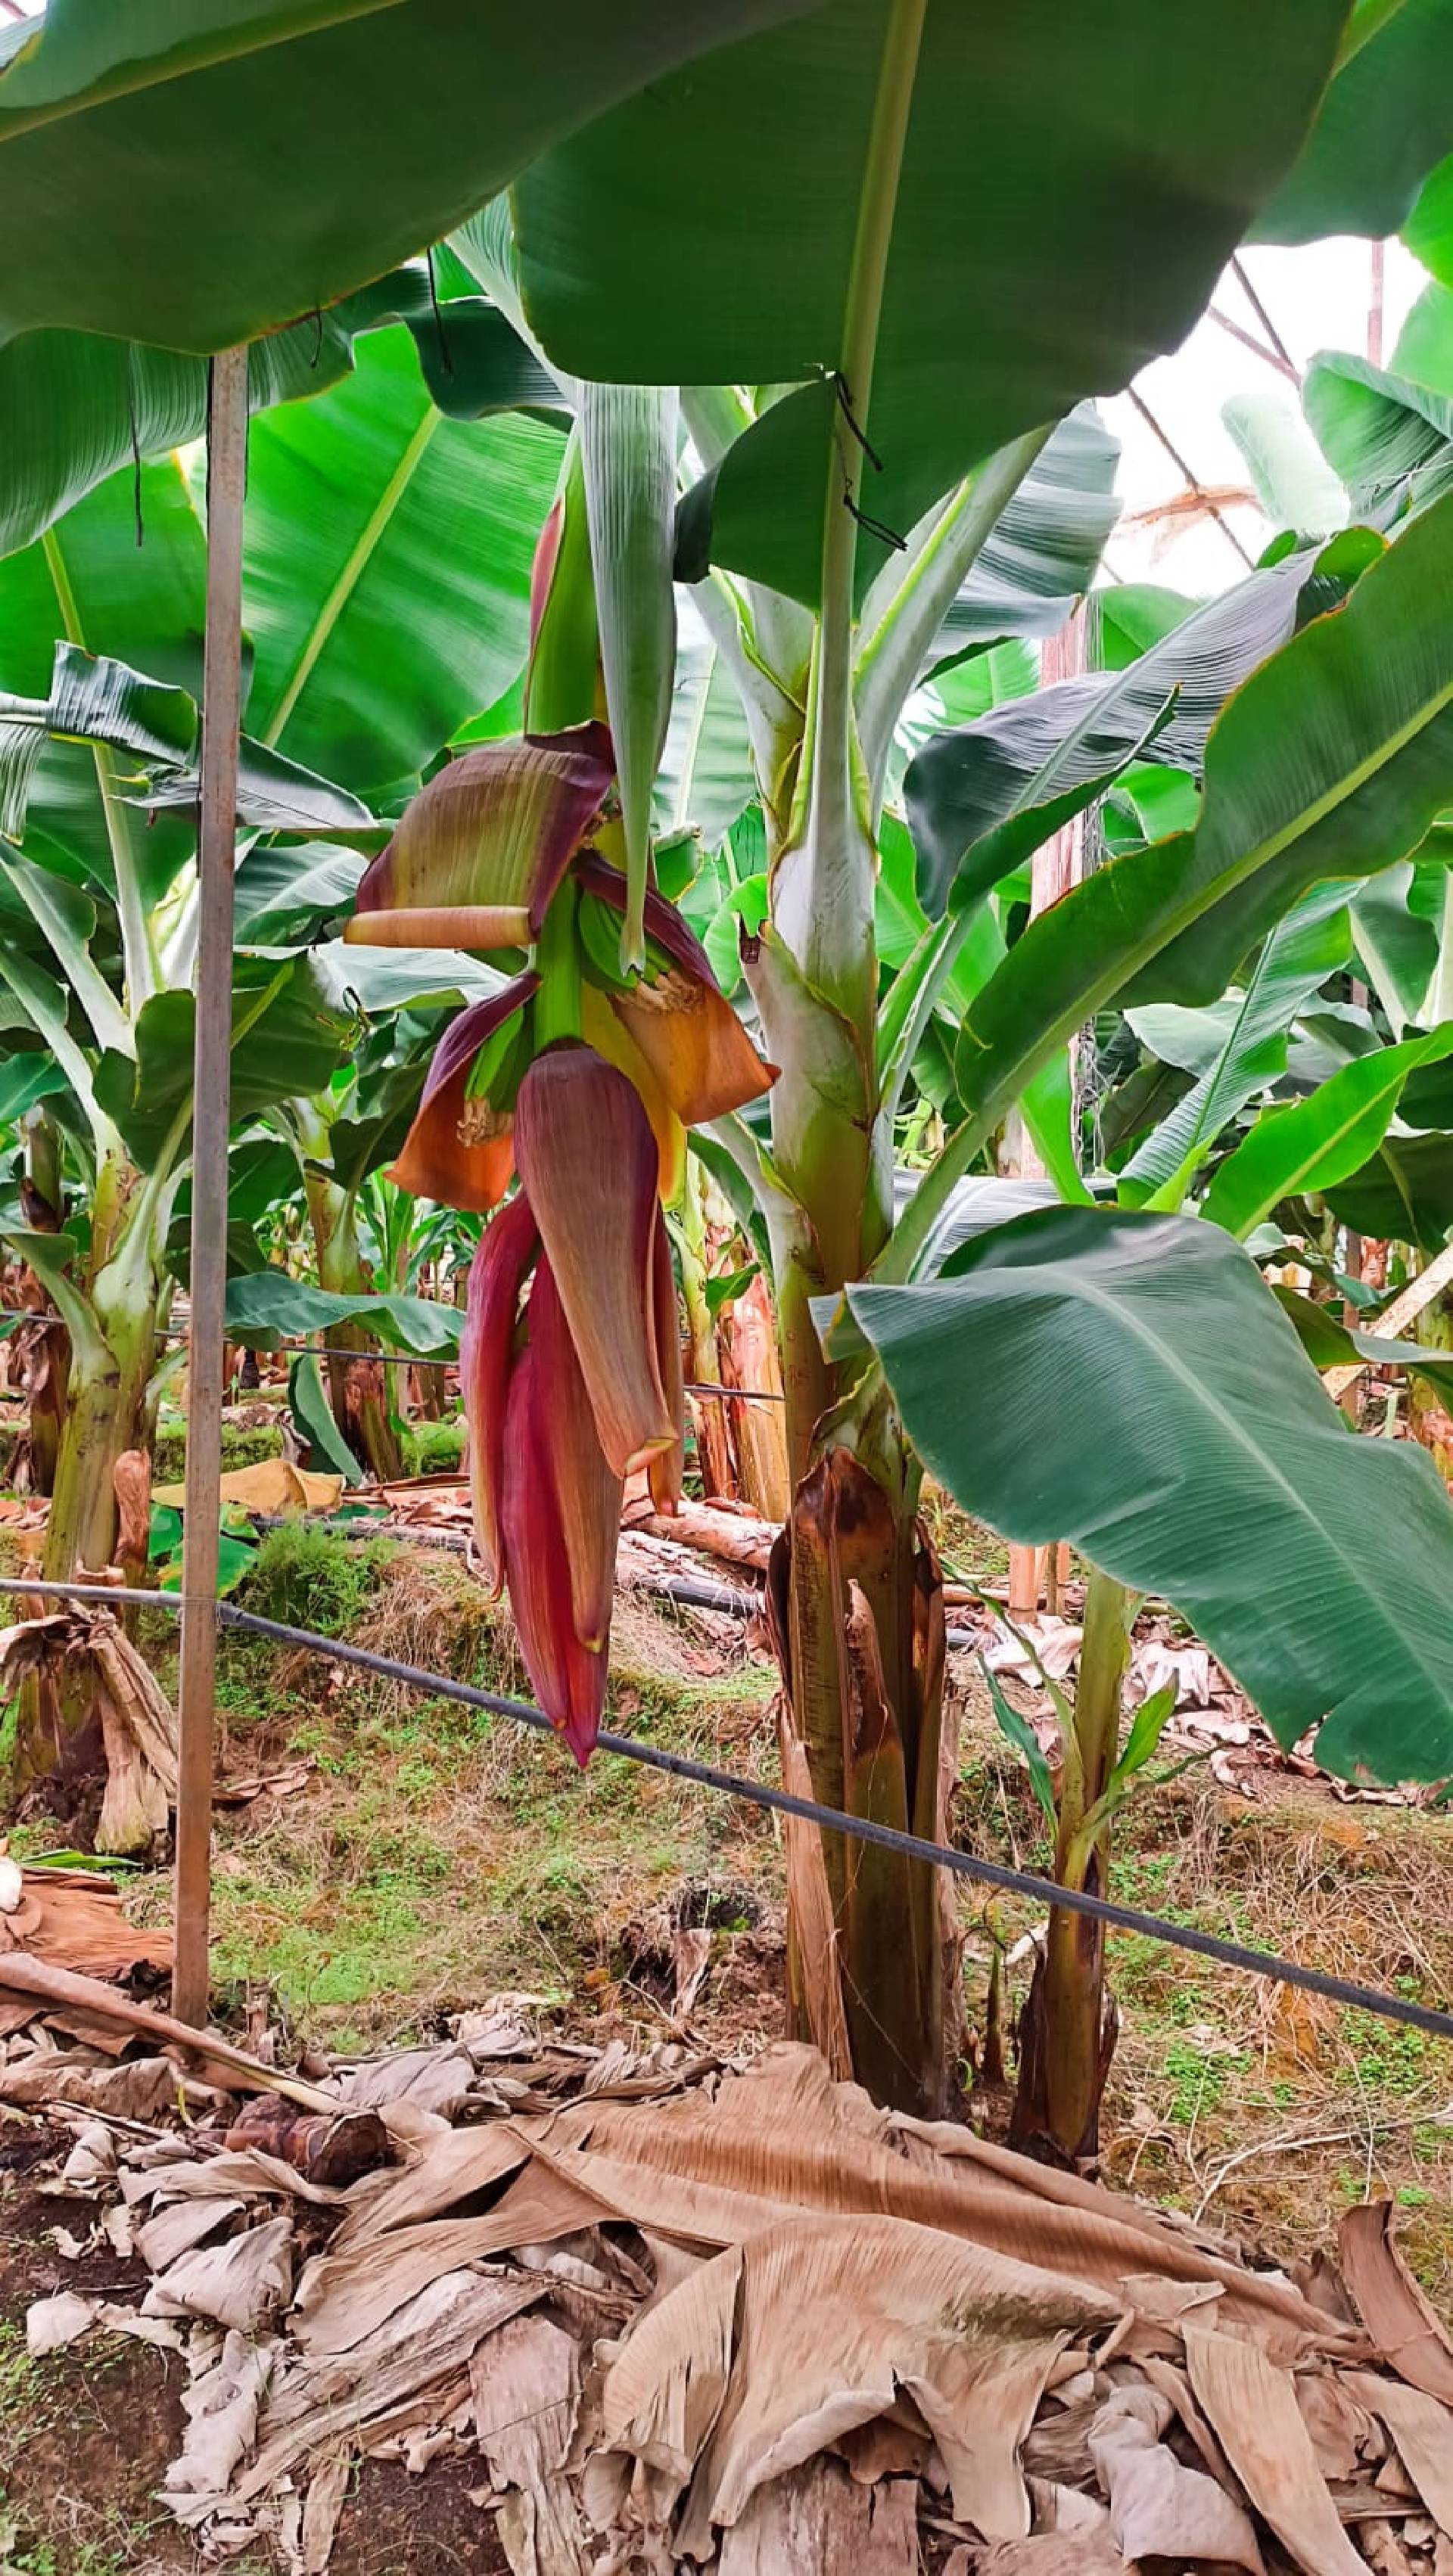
(588, 1163)
(697, 1051)
(439, 1159)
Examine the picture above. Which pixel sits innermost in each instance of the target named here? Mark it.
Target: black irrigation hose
(408, 1359)
(781, 1802)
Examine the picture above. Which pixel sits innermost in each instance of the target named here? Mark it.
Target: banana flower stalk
(581, 1077)
(572, 1381)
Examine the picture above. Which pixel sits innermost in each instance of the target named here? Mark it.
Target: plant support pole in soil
(226, 482)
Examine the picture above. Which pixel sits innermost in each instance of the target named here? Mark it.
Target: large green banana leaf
(1387, 118)
(1380, 432)
(386, 572)
(1152, 1403)
(267, 1303)
(1072, 182)
(77, 406)
(194, 172)
(1331, 762)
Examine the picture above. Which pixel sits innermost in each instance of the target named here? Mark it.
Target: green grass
(441, 1851)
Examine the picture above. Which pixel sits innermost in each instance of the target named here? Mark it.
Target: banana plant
(100, 661)
(91, 985)
(828, 542)
(910, 360)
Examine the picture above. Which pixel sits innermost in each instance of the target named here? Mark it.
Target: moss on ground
(242, 1446)
(433, 1448)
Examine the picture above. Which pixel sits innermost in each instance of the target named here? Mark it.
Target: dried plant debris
(673, 2314)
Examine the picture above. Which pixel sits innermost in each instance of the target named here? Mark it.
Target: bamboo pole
(212, 1084)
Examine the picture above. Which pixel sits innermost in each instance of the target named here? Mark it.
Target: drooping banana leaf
(268, 1303)
(1117, 156)
(1196, 1455)
(194, 173)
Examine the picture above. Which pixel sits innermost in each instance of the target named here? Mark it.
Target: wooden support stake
(1404, 1310)
(1023, 1582)
(211, 1118)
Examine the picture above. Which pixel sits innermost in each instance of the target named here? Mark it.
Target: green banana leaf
(312, 1414)
(1428, 231)
(1382, 434)
(1314, 1144)
(291, 149)
(1118, 153)
(1385, 121)
(363, 667)
(628, 457)
(90, 699)
(1291, 478)
(268, 1303)
(1044, 548)
(1331, 762)
(705, 775)
(1311, 944)
(289, 1036)
(88, 583)
(287, 893)
(1404, 1191)
(1330, 1344)
(1152, 1404)
(78, 407)
(980, 800)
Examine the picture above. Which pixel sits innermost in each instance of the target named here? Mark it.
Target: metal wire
(781, 1802)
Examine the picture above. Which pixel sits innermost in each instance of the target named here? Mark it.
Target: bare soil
(86, 2435)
